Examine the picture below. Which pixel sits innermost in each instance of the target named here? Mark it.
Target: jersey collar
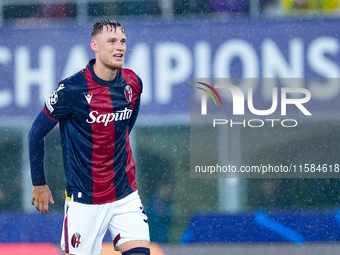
(99, 81)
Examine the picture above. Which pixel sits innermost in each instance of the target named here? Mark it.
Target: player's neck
(104, 72)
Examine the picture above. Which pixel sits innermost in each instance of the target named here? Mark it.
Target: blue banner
(166, 55)
(296, 227)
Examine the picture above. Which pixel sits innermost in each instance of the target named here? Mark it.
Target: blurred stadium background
(170, 42)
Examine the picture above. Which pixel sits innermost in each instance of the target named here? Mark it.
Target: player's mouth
(118, 56)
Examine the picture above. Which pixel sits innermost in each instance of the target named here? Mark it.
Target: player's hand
(41, 196)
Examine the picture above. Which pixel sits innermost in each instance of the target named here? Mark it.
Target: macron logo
(61, 86)
(88, 98)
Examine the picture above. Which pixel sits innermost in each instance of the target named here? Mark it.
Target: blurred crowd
(167, 8)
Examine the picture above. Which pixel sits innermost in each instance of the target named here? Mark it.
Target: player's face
(110, 47)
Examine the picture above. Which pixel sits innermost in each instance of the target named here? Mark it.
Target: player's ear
(94, 45)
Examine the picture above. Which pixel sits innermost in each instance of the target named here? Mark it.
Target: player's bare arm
(41, 197)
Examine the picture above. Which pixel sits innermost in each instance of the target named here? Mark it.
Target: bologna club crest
(128, 93)
(75, 241)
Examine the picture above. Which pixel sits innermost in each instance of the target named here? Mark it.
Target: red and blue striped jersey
(95, 118)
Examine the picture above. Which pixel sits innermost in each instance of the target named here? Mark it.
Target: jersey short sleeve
(59, 104)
